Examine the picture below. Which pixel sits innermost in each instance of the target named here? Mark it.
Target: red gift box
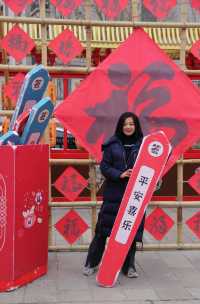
(23, 214)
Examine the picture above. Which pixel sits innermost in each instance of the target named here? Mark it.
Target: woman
(119, 155)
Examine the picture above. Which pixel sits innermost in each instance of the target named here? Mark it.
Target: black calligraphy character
(43, 116)
(197, 223)
(137, 195)
(37, 83)
(71, 228)
(159, 225)
(155, 98)
(105, 113)
(159, 6)
(111, 4)
(65, 47)
(75, 185)
(155, 149)
(17, 42)
(126, 225)
(64, 183)
(143, 180)
(198, 183)
(66, 3)
(152, 97)
(132, 210)
(16, 88)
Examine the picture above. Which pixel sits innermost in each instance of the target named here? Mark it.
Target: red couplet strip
(148, 168)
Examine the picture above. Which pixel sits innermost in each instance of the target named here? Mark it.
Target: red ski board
(149, 166)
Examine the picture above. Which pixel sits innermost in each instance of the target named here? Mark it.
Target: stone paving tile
(141, 294)
(14, 296)
(178, 293)
(188, 278)
(108, 294)
(74, 296)
(173, 259)
(195, 292)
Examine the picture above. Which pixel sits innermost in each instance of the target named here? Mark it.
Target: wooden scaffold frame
(93, 204)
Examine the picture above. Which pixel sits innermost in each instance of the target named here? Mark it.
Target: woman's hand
(126, 173)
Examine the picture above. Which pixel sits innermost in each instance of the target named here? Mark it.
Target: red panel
(160, 8)
(66, 7)
(17, 6)
(196, 5)
(158, 223)
(194, 224)
(17, 43)
(66, 46)
(194, 182)
(111, 8)
(12, 88)
(70, 183)
(71, 226)
(24, 222)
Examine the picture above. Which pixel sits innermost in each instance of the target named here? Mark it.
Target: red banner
(158, 223)
(111, 8)
(71, 226)
(17, 43)
(66, 7)
(12, 88)
(195, 49)
(148, 167)
(134, 79)
(159, 8)
(195, 4)
(17, 6)
(66, 46)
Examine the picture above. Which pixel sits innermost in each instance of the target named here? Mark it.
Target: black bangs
(119, 128)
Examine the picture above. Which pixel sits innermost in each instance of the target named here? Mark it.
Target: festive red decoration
(194, 182)
(158, 223)
(134, 79)
(71, 226)
(12, 88)
(195, 4)
(70, 183)
(159, 8)
(195, 49)
(66, 46)
(66, 7)
(111, 8)
(17, 6)
(194, 224)
(17, 43)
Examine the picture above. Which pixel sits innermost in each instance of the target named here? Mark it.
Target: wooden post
(183, 36)
(179, 209)
(88, 34)
(135, 12)
(93, 195)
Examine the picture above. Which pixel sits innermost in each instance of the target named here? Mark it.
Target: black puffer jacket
(112, 166)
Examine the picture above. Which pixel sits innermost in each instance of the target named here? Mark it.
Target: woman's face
(129, 126)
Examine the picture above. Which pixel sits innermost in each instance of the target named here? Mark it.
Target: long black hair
(137, 135)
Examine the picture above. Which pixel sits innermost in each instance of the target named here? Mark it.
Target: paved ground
(164, 277)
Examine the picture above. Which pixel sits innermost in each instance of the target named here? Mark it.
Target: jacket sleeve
(106, 166)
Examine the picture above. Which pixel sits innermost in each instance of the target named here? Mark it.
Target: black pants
(96, 251)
